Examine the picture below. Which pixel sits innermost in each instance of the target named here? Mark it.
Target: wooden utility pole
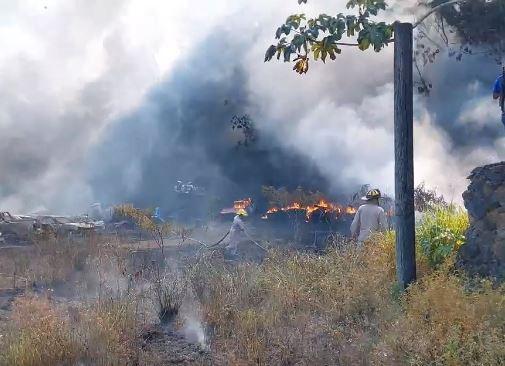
(404, 155)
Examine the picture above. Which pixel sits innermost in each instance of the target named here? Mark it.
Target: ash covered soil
(167, 346)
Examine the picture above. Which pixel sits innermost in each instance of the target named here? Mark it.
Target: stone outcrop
(484, 252)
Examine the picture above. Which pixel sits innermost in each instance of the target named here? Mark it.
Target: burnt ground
(167, 346)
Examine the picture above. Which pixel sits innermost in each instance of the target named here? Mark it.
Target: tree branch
(347, 44)
(357, 44)
(435, 9)
(425, 35)
(312, 39)
(425, 86)
(444, 34)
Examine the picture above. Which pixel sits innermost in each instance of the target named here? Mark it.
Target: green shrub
(442, 233)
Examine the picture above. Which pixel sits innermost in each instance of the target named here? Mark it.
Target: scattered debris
(16, 229)
(188, 188)
(64, 226)
(19, 229)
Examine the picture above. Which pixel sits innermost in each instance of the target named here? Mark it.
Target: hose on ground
(211, 245)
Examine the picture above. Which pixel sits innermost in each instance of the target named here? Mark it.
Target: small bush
(442, 233)
(168, 292)
(427, 199)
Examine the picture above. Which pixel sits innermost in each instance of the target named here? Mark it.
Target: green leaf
(320, 35)
(315, 32)
(270, 53)
(298, 41)
(279, 52)
(364, 44)
(324, 53)
(287, 54)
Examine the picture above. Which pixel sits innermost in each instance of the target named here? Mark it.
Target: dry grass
(39, 335)
(42, 332)
(303, 309)
(342, 308)
(111, 330)
(50, 261)
(100, 326)
(298, 308)
(168, 292)
(443, 324)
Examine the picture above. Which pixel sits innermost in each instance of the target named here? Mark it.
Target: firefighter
(237, 232)
(498, 93)
(370, 217)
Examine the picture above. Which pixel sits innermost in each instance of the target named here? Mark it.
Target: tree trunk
(404, 155)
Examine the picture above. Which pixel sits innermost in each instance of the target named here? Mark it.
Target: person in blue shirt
(497, 93)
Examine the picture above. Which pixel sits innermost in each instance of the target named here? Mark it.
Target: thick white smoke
(341, 115)
(70, 68)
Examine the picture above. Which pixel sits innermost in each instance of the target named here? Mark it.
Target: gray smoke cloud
(183, 132)
(114, 101)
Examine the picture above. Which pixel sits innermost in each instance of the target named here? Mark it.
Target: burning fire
(237, 205)
(321, 206)
(242, 204)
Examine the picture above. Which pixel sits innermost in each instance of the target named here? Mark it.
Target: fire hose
(255, 242)
(224, 237)
(211, 245)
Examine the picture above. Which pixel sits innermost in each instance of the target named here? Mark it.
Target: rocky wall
(484, 252)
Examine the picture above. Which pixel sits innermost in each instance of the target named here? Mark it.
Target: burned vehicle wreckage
(21, 229)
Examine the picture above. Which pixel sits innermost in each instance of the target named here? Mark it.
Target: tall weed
(442, 233)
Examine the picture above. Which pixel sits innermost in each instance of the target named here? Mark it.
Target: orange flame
(322, 206)
(273, 210)
(350, 210)
(242, 204)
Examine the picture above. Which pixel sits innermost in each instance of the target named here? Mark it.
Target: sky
(92, 91)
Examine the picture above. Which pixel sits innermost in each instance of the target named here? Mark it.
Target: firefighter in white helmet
(237, 232)
(370, 217)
